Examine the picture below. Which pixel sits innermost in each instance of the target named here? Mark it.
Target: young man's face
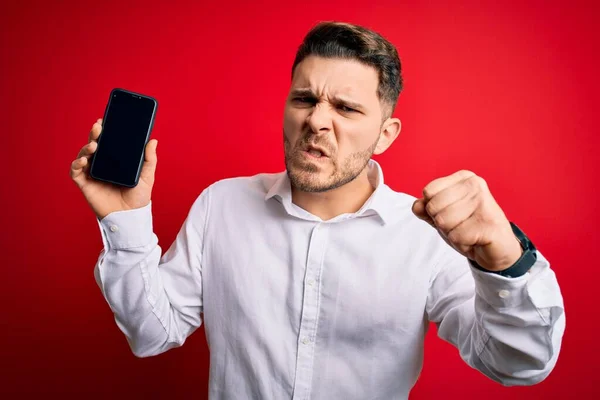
(333, 107)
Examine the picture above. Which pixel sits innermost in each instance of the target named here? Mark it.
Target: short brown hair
(343, 40)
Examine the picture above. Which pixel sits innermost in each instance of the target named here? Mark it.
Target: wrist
(514, 253)
(523, 263)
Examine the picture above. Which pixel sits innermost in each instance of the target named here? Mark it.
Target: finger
(76, 172)
(418, 209)
(95, 131)
(88, 150)
(456, 213)
(467, 234)
(448, 196)
(437, 185)
(150, 161)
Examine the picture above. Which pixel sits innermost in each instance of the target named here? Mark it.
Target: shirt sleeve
(509, 329)
(156, 300)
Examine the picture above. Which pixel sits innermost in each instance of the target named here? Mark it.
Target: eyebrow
(303, 92)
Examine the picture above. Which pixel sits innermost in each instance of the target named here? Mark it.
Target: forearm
(510, 329)
(124, 277)
(517, 325)
(132, 283)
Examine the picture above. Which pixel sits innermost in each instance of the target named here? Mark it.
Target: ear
(389, 132)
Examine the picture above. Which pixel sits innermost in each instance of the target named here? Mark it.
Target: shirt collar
(380, 202)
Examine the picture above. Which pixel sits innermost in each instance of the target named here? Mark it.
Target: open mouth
(314, 152)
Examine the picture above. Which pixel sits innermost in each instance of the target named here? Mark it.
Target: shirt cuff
(500, 291)
(519, 268)
(127, 229)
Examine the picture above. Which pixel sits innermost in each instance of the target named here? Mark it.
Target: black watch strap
(523, 264)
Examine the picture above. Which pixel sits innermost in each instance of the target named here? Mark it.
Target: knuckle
(477, 201)
(473, 184)
(455, 236)
(478, 181)
(427, 192)
(440, 221)
(431, 208)
(482, 183)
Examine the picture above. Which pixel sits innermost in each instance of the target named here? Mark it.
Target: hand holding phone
(123, 190)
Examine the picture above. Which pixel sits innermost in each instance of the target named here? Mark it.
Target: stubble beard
(304, 175)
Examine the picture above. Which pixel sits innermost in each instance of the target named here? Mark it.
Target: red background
(506, 91)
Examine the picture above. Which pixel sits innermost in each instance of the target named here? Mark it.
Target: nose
(319, 120)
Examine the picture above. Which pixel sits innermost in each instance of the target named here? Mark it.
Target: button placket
(308, 322)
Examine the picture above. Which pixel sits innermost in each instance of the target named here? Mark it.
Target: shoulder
(240, 190)
(398, 199)
(246, 186)
(397, 205)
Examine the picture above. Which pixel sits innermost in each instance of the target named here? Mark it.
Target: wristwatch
(523, 264)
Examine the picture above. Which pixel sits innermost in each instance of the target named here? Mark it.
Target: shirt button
(114, 228)
(311, 282)
(503, 294)
(305, 340)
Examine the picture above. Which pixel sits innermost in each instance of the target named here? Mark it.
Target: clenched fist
(466, 215)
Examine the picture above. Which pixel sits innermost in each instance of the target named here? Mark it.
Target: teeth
(315, 153)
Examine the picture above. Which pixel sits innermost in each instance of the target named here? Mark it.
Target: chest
(345, 277)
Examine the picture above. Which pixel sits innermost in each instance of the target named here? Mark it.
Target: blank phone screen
(126, 126)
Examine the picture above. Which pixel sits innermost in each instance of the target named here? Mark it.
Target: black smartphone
(128, 121)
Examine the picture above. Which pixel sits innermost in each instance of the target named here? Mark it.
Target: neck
(345, 199)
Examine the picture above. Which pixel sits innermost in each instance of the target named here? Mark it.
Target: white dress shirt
(296, 307)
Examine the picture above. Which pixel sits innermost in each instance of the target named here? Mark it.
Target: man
(319, 282)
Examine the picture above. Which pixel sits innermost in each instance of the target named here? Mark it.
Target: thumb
(418, 208)
(150, 160)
